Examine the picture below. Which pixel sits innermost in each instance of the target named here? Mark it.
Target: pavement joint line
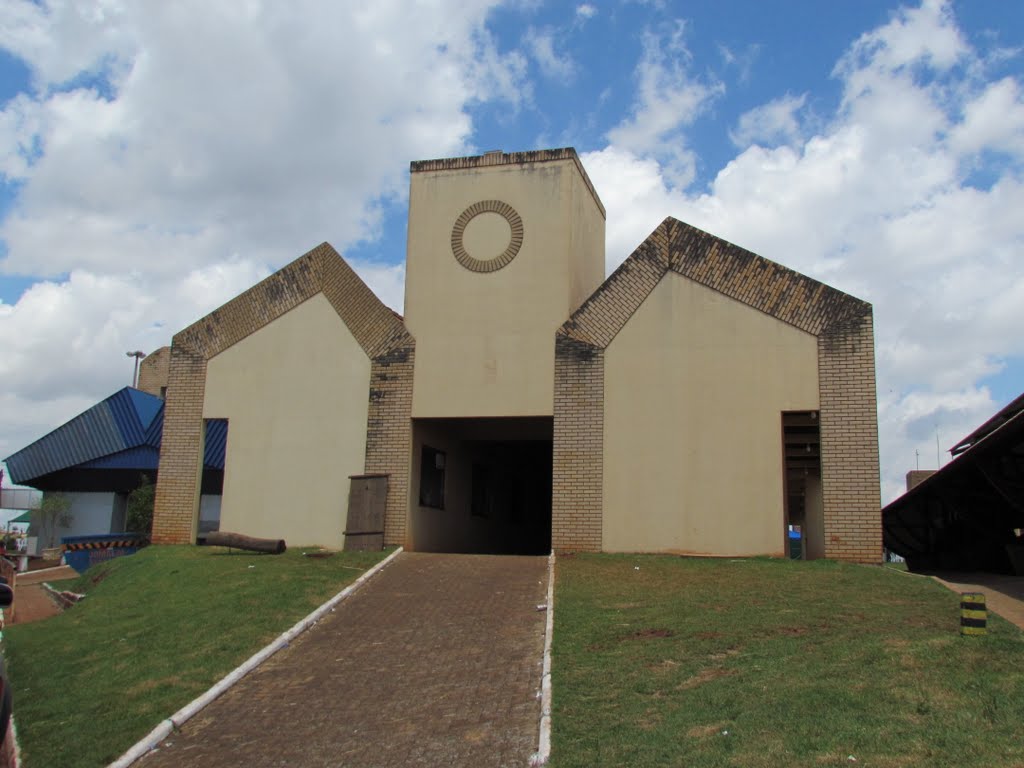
(540, 757)
(183, 715)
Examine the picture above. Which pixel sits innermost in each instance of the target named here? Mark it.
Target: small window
(432, 464)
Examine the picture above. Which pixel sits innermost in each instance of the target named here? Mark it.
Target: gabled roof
(123, 421)
(740, 274)
(376, 328)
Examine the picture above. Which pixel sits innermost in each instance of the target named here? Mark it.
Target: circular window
(505, 252)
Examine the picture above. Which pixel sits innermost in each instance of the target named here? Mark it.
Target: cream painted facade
(525, 402)
(693, 460)
(497, 329)
(294, 395)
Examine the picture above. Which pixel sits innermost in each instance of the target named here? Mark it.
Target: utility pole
(138, 355)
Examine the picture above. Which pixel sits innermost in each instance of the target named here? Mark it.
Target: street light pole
(138, 355)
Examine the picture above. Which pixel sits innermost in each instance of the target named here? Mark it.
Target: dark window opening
(482, 492)
(432, 463)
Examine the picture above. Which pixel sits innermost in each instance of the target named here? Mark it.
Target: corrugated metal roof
(109, 427)
(216, 443)
(139, 457)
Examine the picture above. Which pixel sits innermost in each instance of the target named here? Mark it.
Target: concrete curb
(11, 750)
(183, 715)
(540, 757)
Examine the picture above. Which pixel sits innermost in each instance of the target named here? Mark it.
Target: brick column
(181, 450)
(849, 441)
(577, 502)
(389, 433)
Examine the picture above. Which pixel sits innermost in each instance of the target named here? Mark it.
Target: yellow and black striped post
(972, 613)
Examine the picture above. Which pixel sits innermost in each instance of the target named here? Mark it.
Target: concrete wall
(295, 396)
(485, 340)
(695, 384)
(814, 519)
(451, 529)
(209, 512)
(91, 513)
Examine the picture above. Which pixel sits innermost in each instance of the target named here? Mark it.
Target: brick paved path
(435, 661)
(1003, 594)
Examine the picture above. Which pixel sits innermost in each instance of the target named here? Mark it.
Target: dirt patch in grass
(793, 631)
(703, 731)
(707, 675)
(648, 634)
(731, 651)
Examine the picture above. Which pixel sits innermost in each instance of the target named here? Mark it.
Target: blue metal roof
(139, 457)
(121, 432)
(216, 443)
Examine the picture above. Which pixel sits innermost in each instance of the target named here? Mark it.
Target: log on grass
(241, 541)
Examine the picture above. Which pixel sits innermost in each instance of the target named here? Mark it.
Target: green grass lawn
(666, 661)
(156, 630)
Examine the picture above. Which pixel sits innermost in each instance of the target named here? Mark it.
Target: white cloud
(669, 97)
(168, 156)
(554, 66)
(585, 11)
(230, 130)
(773, 123)
(876, 203)
(994, 120)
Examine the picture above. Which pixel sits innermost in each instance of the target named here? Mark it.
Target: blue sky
(156, 162)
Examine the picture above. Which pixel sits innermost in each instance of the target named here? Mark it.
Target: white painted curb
(193, 708)
(540, 757)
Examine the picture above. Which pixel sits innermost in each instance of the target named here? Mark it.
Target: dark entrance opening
(805, 524)
(481, 485)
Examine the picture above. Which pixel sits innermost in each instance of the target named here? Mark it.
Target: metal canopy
(967, 516)
(107, 447)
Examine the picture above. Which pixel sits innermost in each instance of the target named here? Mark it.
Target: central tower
(502, 249)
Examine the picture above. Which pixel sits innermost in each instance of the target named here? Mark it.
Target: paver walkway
(1003, 594)
(435, 661)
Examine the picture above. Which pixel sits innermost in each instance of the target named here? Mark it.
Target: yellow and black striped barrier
(973, 615)
(104, 544)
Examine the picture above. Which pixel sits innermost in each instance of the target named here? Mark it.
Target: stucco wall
(295, 396)
(695, 384)
(485, 341)
(91, 513)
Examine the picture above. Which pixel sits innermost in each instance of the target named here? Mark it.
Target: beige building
(700, 400)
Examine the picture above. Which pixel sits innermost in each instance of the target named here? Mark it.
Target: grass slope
(662, 661)
(156, 630)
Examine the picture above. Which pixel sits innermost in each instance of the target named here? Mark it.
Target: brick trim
(491, 159)
(846, 373)
(155, 370)
(389, 434)
(181, 450)
(577, 502)
(849, 442)
(380, 332)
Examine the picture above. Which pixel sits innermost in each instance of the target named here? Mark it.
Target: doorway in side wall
(803, 503)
